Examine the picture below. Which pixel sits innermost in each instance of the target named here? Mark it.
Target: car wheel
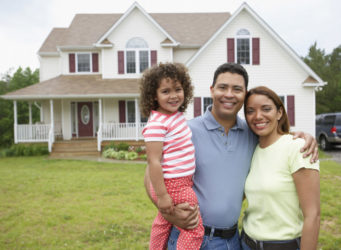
(325, 145)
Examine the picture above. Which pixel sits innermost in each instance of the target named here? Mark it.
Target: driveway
(335, 154)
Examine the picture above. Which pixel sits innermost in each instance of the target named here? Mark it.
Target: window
(137, 55)
(207, 101)
(131, 112)
(83, 62)
(243, 46)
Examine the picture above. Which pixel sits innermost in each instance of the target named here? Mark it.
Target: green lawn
(54, 204)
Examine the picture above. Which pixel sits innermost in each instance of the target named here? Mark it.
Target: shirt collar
(211, 123)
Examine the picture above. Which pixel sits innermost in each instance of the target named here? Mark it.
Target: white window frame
(137, 57)
(236, 45)
(76, 61)
(126, 103)
(203, 103)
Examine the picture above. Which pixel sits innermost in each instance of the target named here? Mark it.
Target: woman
(282, 188)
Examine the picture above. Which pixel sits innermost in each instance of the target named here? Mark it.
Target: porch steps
(75, 148)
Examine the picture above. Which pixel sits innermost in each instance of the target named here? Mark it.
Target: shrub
(121, 155)
(138, 150)
(131, 156)
(112, 145)
(25, 150)
(122, 146)
(143, 157)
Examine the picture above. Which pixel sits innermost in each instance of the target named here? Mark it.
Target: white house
(89, 71)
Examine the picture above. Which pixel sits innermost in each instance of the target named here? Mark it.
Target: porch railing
(119, 131)
(122, 131)
(33, 133)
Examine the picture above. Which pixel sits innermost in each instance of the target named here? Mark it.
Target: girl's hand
(165, 204)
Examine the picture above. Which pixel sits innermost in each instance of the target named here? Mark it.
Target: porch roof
(77, 86)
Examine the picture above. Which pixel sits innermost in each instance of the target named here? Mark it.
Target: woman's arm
(154, 156)
(307, 182)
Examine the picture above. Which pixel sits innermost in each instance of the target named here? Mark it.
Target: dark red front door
(85, 120)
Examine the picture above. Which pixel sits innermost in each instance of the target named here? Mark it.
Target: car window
(329, 119)
(338, 120)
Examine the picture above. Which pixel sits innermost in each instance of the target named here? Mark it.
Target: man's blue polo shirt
(222, 164)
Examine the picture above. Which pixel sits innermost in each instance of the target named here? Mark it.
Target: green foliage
(20, 79)
(138, 149)
(143, 157)
(328, 67)
(121, 155)
(122, 146)
(25, 150)
(131, 156)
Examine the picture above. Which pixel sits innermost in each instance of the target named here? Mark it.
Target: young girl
(282, 188)
(165, 93)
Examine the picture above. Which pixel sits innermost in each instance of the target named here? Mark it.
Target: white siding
(135, 25)
(183, 55)
(277, 70)
(49, 67)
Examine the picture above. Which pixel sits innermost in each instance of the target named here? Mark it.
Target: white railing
(122, 131)
(33, 133)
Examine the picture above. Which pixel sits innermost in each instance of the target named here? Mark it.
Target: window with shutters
(130, 108)
(243, 47)
(83, 62)
(137, 55)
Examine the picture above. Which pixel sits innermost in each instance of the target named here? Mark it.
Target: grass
(65, 204)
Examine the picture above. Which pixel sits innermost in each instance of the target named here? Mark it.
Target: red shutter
(72, 63)
(291, 109)
(122, 111)
(197, 106)
(153, 57)
(120, 55)
(230, 50)
(94, 62)
(255, 51)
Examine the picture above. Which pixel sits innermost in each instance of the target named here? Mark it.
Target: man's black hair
(232, 68)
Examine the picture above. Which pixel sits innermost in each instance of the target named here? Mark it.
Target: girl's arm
(154, 156)
(307, 182)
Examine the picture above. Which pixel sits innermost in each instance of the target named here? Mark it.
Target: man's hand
(165, 204)
(310, 146)
(184, 216)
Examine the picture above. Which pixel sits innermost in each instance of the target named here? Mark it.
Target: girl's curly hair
(150, 82)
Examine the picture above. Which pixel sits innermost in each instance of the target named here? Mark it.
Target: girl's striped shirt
(178, 150)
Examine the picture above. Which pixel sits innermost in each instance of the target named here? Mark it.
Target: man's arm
(184, 215)
(310, 146)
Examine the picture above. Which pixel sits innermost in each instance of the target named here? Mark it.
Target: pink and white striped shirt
(178, 150)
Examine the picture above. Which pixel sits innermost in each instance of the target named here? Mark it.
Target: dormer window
(83, 62)
(243, 46)
(137, 55)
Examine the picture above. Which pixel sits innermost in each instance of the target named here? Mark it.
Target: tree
(328, 67)
(20, 79)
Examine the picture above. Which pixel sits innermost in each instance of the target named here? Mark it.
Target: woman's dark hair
(151, 80)
(283, 123)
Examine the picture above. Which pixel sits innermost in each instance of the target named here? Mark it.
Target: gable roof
(85, 30)
(77, 86)
(272, 33)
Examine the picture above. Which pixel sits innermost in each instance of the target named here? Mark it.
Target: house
(89, 71)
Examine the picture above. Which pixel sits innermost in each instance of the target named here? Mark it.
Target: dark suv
(328, 130)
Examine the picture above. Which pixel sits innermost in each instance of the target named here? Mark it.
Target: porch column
(30, 113)
(15, 122)
(137, 120)
(52, 118)
(99, 132)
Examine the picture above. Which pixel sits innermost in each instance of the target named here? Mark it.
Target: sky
(25, 24)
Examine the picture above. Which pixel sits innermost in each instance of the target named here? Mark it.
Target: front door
(85, 119)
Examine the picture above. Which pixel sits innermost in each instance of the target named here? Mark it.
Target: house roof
(188, 29)
(77, 86)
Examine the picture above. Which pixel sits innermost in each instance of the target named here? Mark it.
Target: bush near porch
(68, 204)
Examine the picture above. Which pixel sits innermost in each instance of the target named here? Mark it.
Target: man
(224, 147)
